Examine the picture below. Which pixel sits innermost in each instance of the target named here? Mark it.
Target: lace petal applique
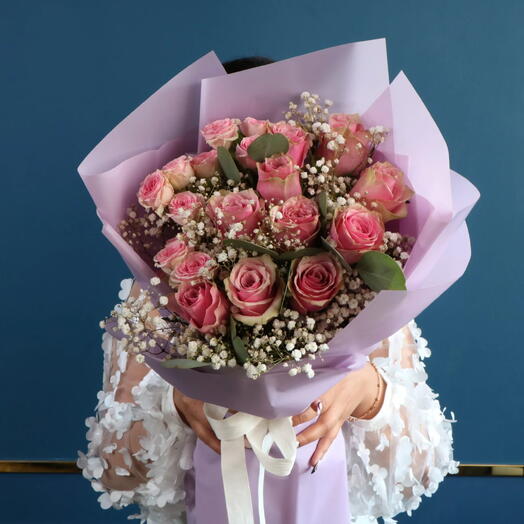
(406, 450)
(154, 463)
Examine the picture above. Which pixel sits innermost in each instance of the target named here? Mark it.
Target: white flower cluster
(138, 323)
(314, 111)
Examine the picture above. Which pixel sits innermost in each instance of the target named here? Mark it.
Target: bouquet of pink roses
(272, 241)
(278, 238)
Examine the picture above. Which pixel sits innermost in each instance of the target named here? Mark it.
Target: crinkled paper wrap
(355, 77)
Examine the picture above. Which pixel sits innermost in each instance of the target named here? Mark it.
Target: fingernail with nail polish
(314, 468)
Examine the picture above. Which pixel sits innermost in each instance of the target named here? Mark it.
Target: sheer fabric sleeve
(405, 450)
(138, 447)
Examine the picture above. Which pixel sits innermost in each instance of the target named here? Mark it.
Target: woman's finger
(323, 445)
(305, 416)
(317, 430)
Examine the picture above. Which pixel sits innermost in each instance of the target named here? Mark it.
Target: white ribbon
(260, 433)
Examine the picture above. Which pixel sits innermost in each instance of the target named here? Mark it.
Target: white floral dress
(139, 450)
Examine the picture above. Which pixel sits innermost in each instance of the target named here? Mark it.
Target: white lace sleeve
(405, 450)
(138, 448)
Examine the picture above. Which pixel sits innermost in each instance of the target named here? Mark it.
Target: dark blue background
(71, 70)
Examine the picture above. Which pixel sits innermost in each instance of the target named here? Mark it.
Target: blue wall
(71, 70)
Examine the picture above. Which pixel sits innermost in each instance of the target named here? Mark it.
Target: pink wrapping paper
(355, 77)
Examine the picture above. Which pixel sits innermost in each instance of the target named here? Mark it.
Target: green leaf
(238, 346)
(322, 204)
(379, 271)
(306, 252)
(183, 363)
(240, 350)
(249, 246)
(232, 327)
(267, 145)
(228, 164)
(336, 254)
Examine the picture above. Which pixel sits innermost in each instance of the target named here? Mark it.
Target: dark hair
(246, 62)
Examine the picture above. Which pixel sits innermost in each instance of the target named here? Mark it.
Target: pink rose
(205, 164)
(202, 304)
(357, 144)
(168, 257)
(314, 282)
(196, 265)
(221, 132)
(155, 191)
(251, 126)
(241, 152)
(227, 208)
(179, 172)
(299, 142)
(255, 288)
(296, 219)
(383, 183)
(355, 230)
(278, 179)
(185, 207)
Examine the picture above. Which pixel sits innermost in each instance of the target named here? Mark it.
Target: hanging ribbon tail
(260, 433)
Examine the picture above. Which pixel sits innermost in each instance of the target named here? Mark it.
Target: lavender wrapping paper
(355, 77)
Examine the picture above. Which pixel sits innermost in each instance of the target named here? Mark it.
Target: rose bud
(196, 265)
(179, 172)
(241, 152)
(155, 191)
(355, 230)
(251, 126)
(255, 288)
(356, 147)
(185, 207)
(221, 132)
(314, 282)
(168, 257)
(278, 179)
(383, 183)
(299, 141)
(295, 220)
(243, 207)
(205, 164)
(201, 304)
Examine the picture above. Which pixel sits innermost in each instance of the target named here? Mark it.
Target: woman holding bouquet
(380, 427)
(397, 441)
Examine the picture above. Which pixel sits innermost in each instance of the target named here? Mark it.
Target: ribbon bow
(260, 433)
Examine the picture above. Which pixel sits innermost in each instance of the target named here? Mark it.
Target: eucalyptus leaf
(228, 164)
(379, 271)
(336, 254)
(249, 246)
(306, 252)
(267, 145)
(232, 327)
(322, 204)
(183, 363)
(241, 353)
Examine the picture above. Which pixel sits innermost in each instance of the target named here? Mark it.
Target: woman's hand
(191, 411)
(352, 396)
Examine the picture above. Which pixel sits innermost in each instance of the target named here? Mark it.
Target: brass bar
(65, 466)
(38, 466)
(491, 470)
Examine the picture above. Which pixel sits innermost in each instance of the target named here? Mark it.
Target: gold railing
(65, 466)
